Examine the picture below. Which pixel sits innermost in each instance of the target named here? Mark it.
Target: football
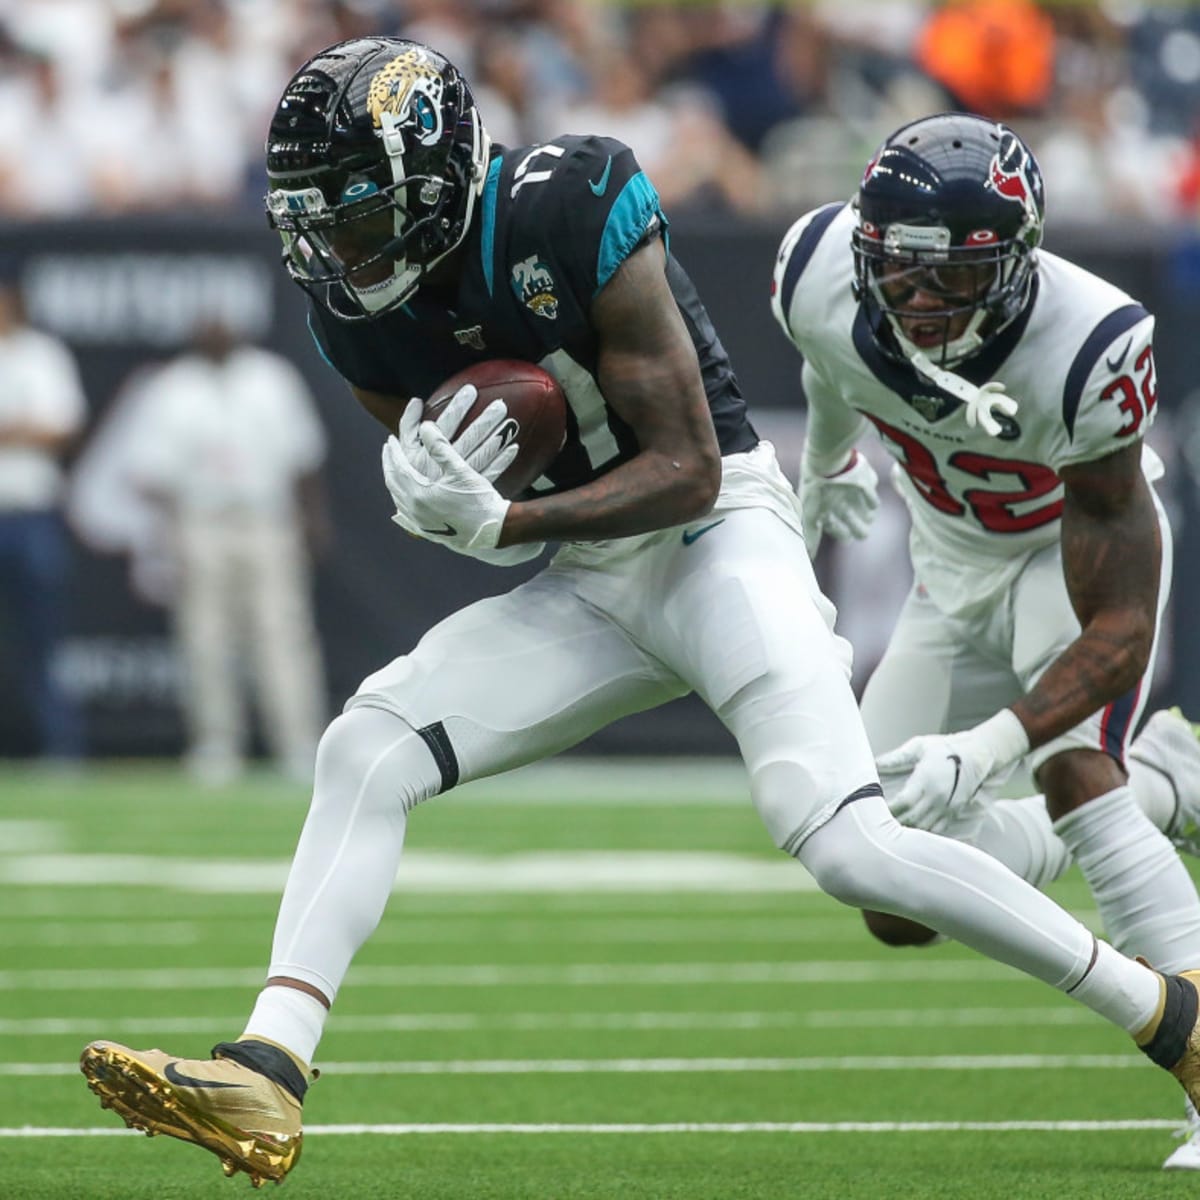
(536, 405)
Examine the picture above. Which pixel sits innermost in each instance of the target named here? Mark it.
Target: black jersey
(554, 223)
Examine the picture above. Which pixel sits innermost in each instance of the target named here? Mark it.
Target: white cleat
(1187, 1156)
(1170, 745)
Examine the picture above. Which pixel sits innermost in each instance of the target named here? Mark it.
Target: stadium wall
(128, 293)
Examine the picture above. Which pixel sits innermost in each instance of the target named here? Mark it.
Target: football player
(425, 249)
(1014, 390)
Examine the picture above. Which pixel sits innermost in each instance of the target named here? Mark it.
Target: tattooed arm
(649, 373)
(1111, 554)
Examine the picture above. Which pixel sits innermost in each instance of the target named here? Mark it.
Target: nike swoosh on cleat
(181, 1080)
(1114, 367)
(691, 535)
(600, 186)
(445, 531)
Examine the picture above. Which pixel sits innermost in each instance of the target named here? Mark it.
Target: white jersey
(1079, 361)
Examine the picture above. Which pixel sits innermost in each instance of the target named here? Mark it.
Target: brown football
(535, 403)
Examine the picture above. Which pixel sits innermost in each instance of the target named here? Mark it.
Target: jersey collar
(903, 379)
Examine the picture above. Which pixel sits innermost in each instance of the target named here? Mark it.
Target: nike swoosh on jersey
(600, 186)
(445, 531)
(1114, 367)
(691, 535)
(181, 1080)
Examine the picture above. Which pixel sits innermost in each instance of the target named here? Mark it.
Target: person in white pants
(230, 448)
(1013, 391)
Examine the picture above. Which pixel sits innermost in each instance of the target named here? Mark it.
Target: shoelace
(980, 401)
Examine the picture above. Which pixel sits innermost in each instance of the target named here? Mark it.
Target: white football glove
(841, 503)
(483, 452)
(946, 770)
(459, 508)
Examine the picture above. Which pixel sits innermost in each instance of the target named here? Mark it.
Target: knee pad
(369, 751)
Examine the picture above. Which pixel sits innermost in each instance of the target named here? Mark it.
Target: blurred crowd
(116, 106)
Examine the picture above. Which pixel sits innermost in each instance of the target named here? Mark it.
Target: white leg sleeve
(372, 767)
(864, 857)
(1021, 835)
(1146, 898)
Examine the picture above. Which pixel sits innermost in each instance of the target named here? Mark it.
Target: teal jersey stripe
(317, 340)
(488, 240)
(632, 211)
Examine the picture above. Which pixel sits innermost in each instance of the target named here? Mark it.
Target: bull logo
(534, 287)
(1009, 176)
(409, 88)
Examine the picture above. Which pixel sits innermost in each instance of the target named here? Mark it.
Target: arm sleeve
(833, 426)
(601, 208)
(794, 253)
(1111, 396)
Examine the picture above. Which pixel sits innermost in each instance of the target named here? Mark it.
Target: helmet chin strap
(406, 276)
(982, 402)
(391, 291)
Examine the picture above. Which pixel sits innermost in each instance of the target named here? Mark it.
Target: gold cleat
(243, 1105)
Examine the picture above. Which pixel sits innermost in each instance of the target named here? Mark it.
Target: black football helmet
(951, 206)
(375, 157)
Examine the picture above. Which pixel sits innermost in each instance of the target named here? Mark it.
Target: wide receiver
(1013, 390)
(424, 250)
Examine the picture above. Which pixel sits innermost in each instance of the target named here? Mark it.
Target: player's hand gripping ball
(535, 421)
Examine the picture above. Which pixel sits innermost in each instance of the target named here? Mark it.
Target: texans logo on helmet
(1008, 176)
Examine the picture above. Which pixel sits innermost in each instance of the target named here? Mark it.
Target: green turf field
(592, 981)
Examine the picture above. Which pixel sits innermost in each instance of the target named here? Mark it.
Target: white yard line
(682, 1066)
(535, 872)
(920, 969)
(101, 933)
(452, 928)
(733, 1127)
(875, 1018)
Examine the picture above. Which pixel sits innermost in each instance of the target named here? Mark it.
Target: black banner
(127, 293)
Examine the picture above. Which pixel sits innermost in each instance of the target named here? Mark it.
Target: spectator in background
(41, 410)
(230, 449)
(994, 57)
(678, 135)
(48, 157)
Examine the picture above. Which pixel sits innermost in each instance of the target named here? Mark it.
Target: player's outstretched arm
(1111, 556)
(648, 371)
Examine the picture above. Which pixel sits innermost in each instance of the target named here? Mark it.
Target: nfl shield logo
(471, 336)
(932, 408)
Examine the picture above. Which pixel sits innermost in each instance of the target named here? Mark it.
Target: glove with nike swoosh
(459, 508)
(476, 444)
(945, 771)
(840, 501)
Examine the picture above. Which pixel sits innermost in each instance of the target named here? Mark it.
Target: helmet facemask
(969, 292)
(361, 233)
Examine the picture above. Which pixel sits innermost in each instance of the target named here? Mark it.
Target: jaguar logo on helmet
(1008, 175)
(409, 88)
